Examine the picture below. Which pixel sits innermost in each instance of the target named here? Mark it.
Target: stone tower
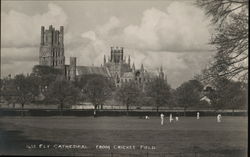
(116, 64)
(161, 73)
(52, 48)
(72, 69)
(117, 54)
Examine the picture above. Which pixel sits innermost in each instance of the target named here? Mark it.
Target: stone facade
(115, 67)
(51, 47)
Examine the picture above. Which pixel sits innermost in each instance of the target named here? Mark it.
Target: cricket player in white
(176, 119)
(198, 115)
(162, 118)
(219, 118)
(170, 118)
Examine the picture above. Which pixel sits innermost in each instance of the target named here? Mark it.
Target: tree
(62, 92)
(97, 89)
(45, 75)
(128, 94)
(228, 95)
(9, 91)
(189, 93)
(230, 39)
(26, 89)
(159, 91)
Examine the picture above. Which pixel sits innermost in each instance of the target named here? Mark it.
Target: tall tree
(160, 92)
(230, 39)
(26, 89)
(189, 94)
(97, 89)
(128, 94)
(63, 93)
(228, 94)
(9, 91)
(45, 75)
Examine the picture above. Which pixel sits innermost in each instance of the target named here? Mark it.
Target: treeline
(48, 86)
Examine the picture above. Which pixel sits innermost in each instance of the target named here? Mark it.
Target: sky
(172, 34)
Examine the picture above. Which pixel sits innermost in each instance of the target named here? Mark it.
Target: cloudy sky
(174, 34)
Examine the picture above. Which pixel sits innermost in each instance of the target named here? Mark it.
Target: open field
(123, 136)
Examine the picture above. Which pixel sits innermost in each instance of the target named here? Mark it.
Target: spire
(129, 60)
(112, 54)
(142, 68)
(104, 59)
(133, 67)
(161, 74)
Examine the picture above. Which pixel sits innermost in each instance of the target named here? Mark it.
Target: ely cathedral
(115, 67)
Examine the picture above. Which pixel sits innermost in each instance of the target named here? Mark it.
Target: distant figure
(198, 115)
(176, 119)
(219, 118)
(170, 118)
(162, 118)
(94, 113)
(146, 117)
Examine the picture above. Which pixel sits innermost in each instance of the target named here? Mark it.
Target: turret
(129, 60)
(133, 67)
(61, 35)
(104, 59)
(121, 54)
(161, 74)
(142, 68)
(112, 55)
(72, 69)
(42, 35)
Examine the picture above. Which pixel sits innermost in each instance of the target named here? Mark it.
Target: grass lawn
(123, 136)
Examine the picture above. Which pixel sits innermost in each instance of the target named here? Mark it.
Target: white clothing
(219, 118)
(177, 119)
(162, 118)
(198, 115)
(171, 118)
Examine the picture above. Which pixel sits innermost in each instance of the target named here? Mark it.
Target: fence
(115, 112)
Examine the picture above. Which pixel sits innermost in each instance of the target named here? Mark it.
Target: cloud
(179, 35)
(13, 54)
(21, 30)
(175, 38)
(113, 23)
(93, 44)
(181, 27)
(20, 37)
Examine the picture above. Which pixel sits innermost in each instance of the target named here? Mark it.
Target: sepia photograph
(124, 78)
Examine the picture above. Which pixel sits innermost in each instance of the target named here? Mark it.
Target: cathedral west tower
(51, 47)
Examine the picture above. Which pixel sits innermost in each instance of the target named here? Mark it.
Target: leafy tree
(26, 89)
(230, 39)
(189, 93)
(45, 75)
(84, 80)
(62, 92)
(9, 91)
(228, 95)
(159, 91)
(97, 89)
(128, 94)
